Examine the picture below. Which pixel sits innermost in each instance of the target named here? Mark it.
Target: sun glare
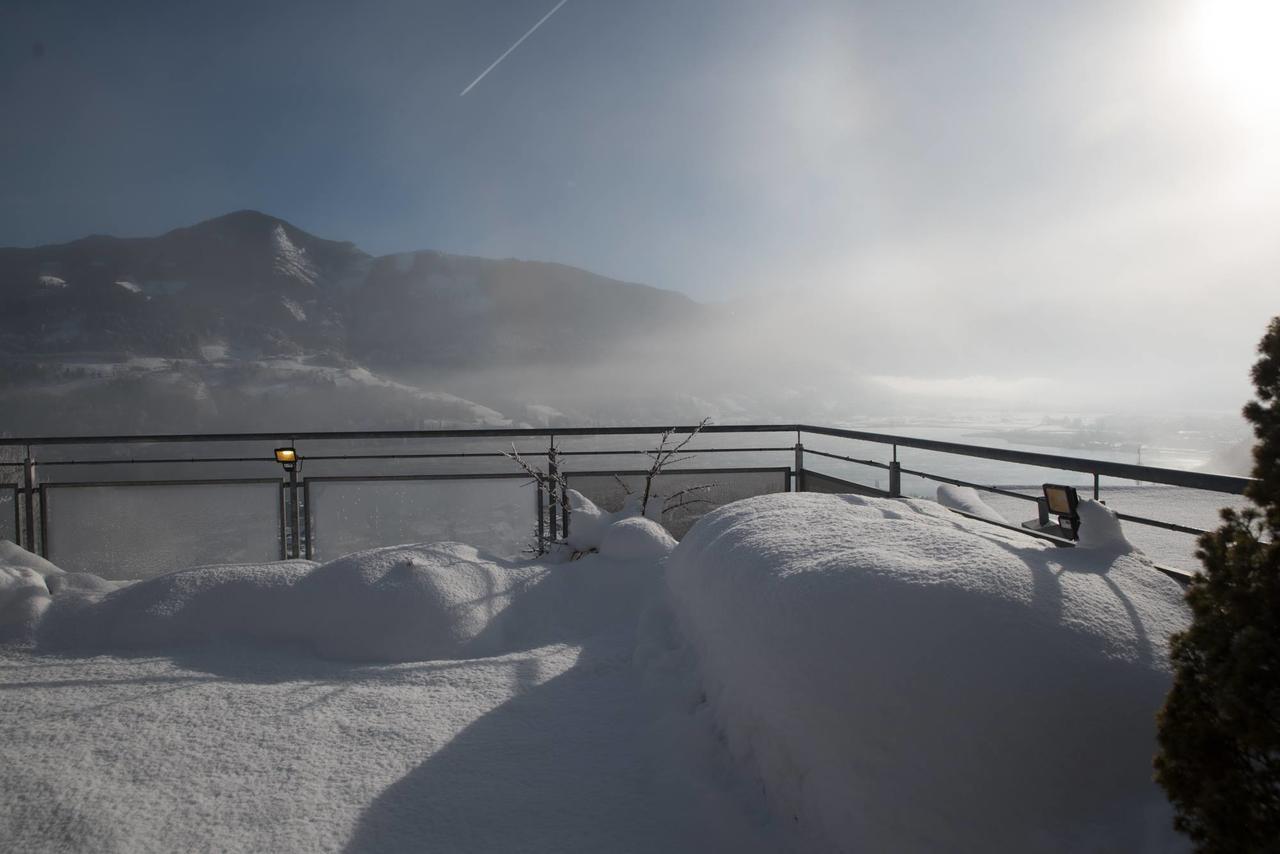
(1238, 43)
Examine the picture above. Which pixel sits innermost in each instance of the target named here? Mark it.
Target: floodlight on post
(287, 457)
(1063, 502)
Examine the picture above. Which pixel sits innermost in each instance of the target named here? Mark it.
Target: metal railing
(39, 460)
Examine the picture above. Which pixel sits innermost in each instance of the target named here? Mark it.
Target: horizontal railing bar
(846, 459)
(956, 482)
(1141, 520)
(347, 435)
(425, 456)
(362, 478)
(136, 461)
(643, 472)
(685, 452)
(438, 456)
(230, 481)
(1174, 477)
(1181, 576)
(1156, 523)
(1126, 471)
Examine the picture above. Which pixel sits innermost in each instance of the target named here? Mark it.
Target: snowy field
(802, 673)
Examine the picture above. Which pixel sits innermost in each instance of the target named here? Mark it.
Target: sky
(983, 199)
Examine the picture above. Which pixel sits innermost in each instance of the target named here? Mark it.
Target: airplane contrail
(513, 47)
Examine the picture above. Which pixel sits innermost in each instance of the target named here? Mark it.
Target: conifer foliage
(1219, 730)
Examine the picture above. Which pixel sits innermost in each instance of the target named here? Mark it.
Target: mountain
(247, 320)
(254, 286)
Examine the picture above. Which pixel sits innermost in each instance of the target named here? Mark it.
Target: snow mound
(23, 600)
(966, 500)
(589, 528)
(636, 538)
(398, 603)
(900, 678)
(1100, 529)
(587, 522)
(409, 603)
(190, 606)
(12, 554)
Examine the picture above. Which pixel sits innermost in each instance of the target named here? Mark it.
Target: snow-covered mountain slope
(120, 333)
(263, 287)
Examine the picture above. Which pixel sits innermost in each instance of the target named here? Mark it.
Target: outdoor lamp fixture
(1063, 501)
(287, 457)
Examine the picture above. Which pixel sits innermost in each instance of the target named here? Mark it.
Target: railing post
(564, 513)
(44, 520)
(306, 519)
(542, 521)
(551, 489)
(895, 476)
(1095, 486)
(294, 515)
(799, 478)
(29, 492)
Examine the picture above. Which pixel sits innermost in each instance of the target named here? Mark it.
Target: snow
(181, 714)
(624, 535)
(52, 282)
(24, 596)
(128, 287)
(294, 308)
(636, 538)
(1100, 529)
(801, 673)
(966, 500)
(291, 260)
(11, 554)
(901, 678)
(398, 603)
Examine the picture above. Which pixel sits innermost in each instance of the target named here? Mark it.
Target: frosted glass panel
(497, 515)
(8, 507)
(726, 486)
(140, 531)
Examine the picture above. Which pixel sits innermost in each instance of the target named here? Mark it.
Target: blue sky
(987, 159)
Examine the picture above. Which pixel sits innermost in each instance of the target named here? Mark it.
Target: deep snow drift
(901, 678)
(802, 672)
(515, 723)
(966, 500)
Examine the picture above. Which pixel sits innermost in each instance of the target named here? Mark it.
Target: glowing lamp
(1063, 501)
(287, 457)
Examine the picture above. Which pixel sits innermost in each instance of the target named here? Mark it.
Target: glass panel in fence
(874, 477)
(8, 511)
(496, 515)
(706, 450)
(818, 482)
(722, 487)
(387, 457)
(139, 531)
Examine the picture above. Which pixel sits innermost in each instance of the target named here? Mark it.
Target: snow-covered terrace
(820, 670)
